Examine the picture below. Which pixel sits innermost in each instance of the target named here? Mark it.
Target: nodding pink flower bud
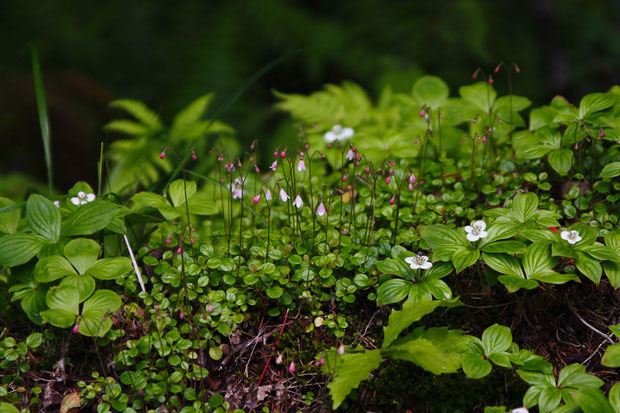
(210, 309)
(194, 157)
(499, 120)
(291, 368)
(283, 195)
(307, 146)
(320, 211)
(357, 164)
(76, 328)
(181, 315)
(422, 113)
(415, 140)
(179, 250)
(282, 154)
(221, 180)
(475, 75)
(601, 134)
(411, 178)
(496, 69)
(392, 163)
(358, 156)
(473, 120)
(256, 199)
(344, 178)
(517, 70)
(329, 146)
(279, 359)
(204, 316)
(192, 229)
(252, 146)
(411, 187)
(192, 240)
(427, 118)
(323, 155)
(268, 196)
(432, 133)
(393, 200)
(114, 320)
(484, 138)
(169, 241)
(275, 154)
(162, 155)
(301, 166)
(341, 350)
(367, 170)
(257, 170)
(321, 361)
(274, 165)
(388, 180)
(490, 79)
(220, 157)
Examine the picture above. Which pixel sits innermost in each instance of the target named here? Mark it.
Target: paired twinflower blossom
(476, 230)
(82, 198)
(237, 188)
(572, 237)
(338, 133)
(419, 262)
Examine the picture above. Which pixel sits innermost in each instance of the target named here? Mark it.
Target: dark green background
(170, 52)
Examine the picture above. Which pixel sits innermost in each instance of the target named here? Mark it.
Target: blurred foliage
(169, 54)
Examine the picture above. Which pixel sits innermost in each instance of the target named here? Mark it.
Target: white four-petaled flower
(82, 198)
(338, 133)
(572, 237)
(476, 230)
(419, 261)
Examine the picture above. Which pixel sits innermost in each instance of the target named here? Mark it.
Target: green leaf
(612, 270)
(574, 375)
(350, 371)
(592, 401)
(496, 339)
(200, 204)
(438, 288)
(423, 352)
(538, 258)
(589, 267)
(395, 267)
(52, 268)
(150, 199)
(438, 270)
(500, 230)
(89, 218)
(92, 322)
(561, 160)
(178, 189)
(547, 218)
(10, 219)
(110, 268)
(612, 239)
(431, 91)
(139, 111)
(8, 408)
(611, 170)
(504, 264)
(541, 117)
(274, 292)
(611, 358)
(464, 257)
(475, 366)
(614, 396)
(18, 249)
(34, 340)
(595, 102)
(512, 102)
(63, 303)
(127, 127)
(400, 320)
(601, 252)
(82, 253)
(514, 283)
(189, 115)
(393, 291)
(524, 206)
(438, 236)
(84, 284)
(509, 247)
(480, 94)
(549, 399)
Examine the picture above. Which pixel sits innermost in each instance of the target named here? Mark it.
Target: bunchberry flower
(298, 201)
(338, 133)
(419, 262)
(572, 237)
(320, 211)
(57, 203)
(82, 198)
(301, 166)
(476, 230)
(283, 195)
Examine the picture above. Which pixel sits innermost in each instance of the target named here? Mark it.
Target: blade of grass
(43, 118)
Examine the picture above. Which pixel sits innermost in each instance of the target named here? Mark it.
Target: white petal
(330, 137)
(414, 266)
(564, 235)
(480, 224)
(75, 201)
(472, 237)
(578, 239)
(482, 234)
(90, 197)
(468, 229)
(81, 194)
(519, 410)
(347, 133)
(410, 260)
(571, 241)
(426, 265)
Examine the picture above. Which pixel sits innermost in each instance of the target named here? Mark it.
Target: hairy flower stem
(398, 195)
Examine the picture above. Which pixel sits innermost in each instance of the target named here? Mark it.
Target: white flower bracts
(476, 230)
(572, 237)
(338, 133)
(82, 198)
(419, 262)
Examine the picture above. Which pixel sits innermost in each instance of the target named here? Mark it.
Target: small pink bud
(275, 154)
(162, 155)
(279, 359)
(496, 69)
(321, 361)
(411, 178)
(204, 316)
(341, 349)
(357, 164)
(344, 178)
(393, 200)
(210, 309)
(168, 241)
(307, 146)
(221, 180)
(367, 170)
(422, 113)
(257, 170)
(484, 139)
(323, 155)
(256, 199)
(473, 120)
(76, 328)
(179, 250)
(282, 154)
(490, 79)
(181, 315)
(392, 163)
(517, 70)
(291, 368)
(499, 120)
(114, 320)
(601, 134)
(358, 156)
(329, 146)
(388, 180)
(411, 187)
(194, 157)
(192, 240)
(415, 140)
(475, 75)
(274, 165)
